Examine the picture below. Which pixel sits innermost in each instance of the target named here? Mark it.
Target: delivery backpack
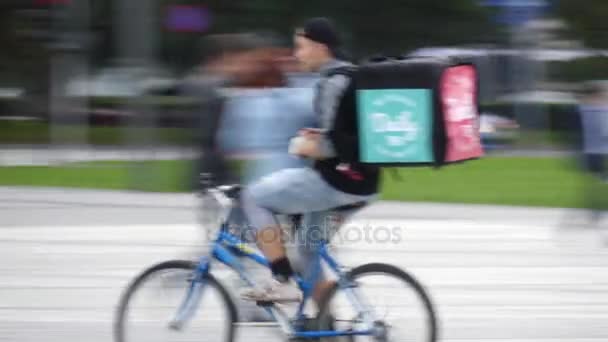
(409, 112)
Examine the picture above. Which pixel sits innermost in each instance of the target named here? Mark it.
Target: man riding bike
(334, 180)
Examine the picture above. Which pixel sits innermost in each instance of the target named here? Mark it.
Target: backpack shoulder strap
(345, 70)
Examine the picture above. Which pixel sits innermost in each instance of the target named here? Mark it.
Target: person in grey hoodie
(312, 191)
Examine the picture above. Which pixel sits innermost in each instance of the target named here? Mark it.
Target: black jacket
(335, 104)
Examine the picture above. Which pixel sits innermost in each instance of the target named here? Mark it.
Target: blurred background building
(96, 75)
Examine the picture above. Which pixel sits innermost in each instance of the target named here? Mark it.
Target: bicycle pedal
(175, 325)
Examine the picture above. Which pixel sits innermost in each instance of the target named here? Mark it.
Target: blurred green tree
(369, 27)
(587, 20)
(380, 26)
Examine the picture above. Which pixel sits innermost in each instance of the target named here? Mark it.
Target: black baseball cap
(322, 30)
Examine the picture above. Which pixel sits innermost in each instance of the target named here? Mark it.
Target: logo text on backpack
(395, 125)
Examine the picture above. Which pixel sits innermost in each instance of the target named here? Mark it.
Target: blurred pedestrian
(261, 100)
(593, 111)
(222, 66)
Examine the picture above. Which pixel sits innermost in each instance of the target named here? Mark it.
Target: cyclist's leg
(312, 230)
(289, 191)
(315, 228)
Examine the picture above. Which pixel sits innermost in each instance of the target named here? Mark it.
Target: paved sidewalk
(496, 274)
(154, 207)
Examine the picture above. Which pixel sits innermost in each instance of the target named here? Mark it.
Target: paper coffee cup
(295, 143)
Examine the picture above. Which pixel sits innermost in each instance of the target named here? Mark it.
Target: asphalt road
(497, 274)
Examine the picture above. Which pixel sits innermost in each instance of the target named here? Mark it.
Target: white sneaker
(274, 291)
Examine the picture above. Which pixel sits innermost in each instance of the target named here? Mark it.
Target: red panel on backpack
(458, 89)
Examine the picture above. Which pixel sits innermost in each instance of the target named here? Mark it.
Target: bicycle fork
(350, 288)
(365, 311)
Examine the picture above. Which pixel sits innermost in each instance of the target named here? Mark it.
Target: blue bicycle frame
(229, 250)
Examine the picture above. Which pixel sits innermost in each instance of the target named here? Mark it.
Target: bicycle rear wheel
(402, 310)
(152, 301)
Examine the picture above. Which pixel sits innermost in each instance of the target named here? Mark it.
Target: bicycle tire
(119, 322)
(324, 315)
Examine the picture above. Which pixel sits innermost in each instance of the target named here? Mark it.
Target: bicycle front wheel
(399, 306)
(151, 304)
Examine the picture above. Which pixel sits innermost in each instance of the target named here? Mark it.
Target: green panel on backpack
(395, 125)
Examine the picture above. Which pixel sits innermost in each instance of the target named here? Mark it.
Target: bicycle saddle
(348, 207)
(232, 191)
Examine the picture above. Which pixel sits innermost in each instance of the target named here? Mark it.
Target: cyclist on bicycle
(334, 180)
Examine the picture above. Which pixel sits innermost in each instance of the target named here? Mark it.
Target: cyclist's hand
(313, 133)
(308, 148)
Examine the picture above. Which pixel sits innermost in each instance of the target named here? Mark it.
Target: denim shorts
(294, 191)
(299, 191)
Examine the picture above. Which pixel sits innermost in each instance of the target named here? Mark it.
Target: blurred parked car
(119, 82)
(496, 130)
